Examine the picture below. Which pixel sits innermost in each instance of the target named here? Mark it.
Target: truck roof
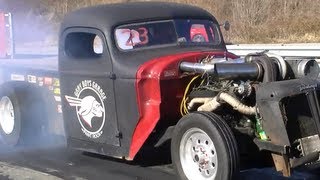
(106, 18)
(111, 15)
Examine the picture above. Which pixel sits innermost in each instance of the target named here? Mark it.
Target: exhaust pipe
(252, 71)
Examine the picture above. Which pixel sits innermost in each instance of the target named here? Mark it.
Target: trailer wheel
(23, 116)
(10, 116)
(203, 147)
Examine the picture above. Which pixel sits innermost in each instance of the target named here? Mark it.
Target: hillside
(252, 21)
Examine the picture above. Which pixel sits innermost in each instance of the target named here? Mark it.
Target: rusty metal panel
(282, 164)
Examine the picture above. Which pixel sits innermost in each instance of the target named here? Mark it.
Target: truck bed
(42, 63)
(40, 70)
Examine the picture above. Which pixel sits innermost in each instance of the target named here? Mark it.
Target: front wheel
(203, 147)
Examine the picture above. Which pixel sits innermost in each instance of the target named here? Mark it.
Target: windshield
(160, 33)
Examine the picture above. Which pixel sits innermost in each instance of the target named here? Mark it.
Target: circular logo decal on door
(89, 100)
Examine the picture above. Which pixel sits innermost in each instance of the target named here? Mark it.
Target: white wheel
(203, 147)
(21, 116)
(198, 155)
(6, 115)
(10, 113)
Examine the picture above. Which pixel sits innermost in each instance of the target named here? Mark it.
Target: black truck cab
(142, 74)
(99, 87)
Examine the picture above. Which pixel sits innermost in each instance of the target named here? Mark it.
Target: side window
(82, 45)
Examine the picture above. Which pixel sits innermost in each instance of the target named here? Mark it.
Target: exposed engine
(228, 86)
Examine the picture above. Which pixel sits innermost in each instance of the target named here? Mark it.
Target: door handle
(111, 75)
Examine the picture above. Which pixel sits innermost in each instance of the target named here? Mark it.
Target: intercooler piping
(269, 67)
(197, 67)
(251, 71)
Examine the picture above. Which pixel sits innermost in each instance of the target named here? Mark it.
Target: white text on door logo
(89, 102)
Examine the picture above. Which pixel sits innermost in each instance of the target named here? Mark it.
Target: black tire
(34, 115)
(11, 139)
(30, 116)
(221, 136)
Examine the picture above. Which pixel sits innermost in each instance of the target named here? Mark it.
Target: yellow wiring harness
(183, 106)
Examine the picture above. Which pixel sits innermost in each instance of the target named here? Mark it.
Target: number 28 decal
(128, 38)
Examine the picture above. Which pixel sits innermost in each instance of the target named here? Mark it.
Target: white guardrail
(286, 50)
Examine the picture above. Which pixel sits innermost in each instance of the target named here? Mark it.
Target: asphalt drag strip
(58, 162)
(63, 163)
(9, 171)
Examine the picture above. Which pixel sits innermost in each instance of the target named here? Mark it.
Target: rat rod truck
(154, 79)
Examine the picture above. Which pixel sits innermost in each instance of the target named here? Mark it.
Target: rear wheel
(22, 115)
(10, 116)
(204, 148)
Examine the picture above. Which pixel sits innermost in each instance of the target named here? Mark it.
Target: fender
(148, 91)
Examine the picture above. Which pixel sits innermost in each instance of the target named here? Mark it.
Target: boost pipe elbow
(198, 100)
(210, 105)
